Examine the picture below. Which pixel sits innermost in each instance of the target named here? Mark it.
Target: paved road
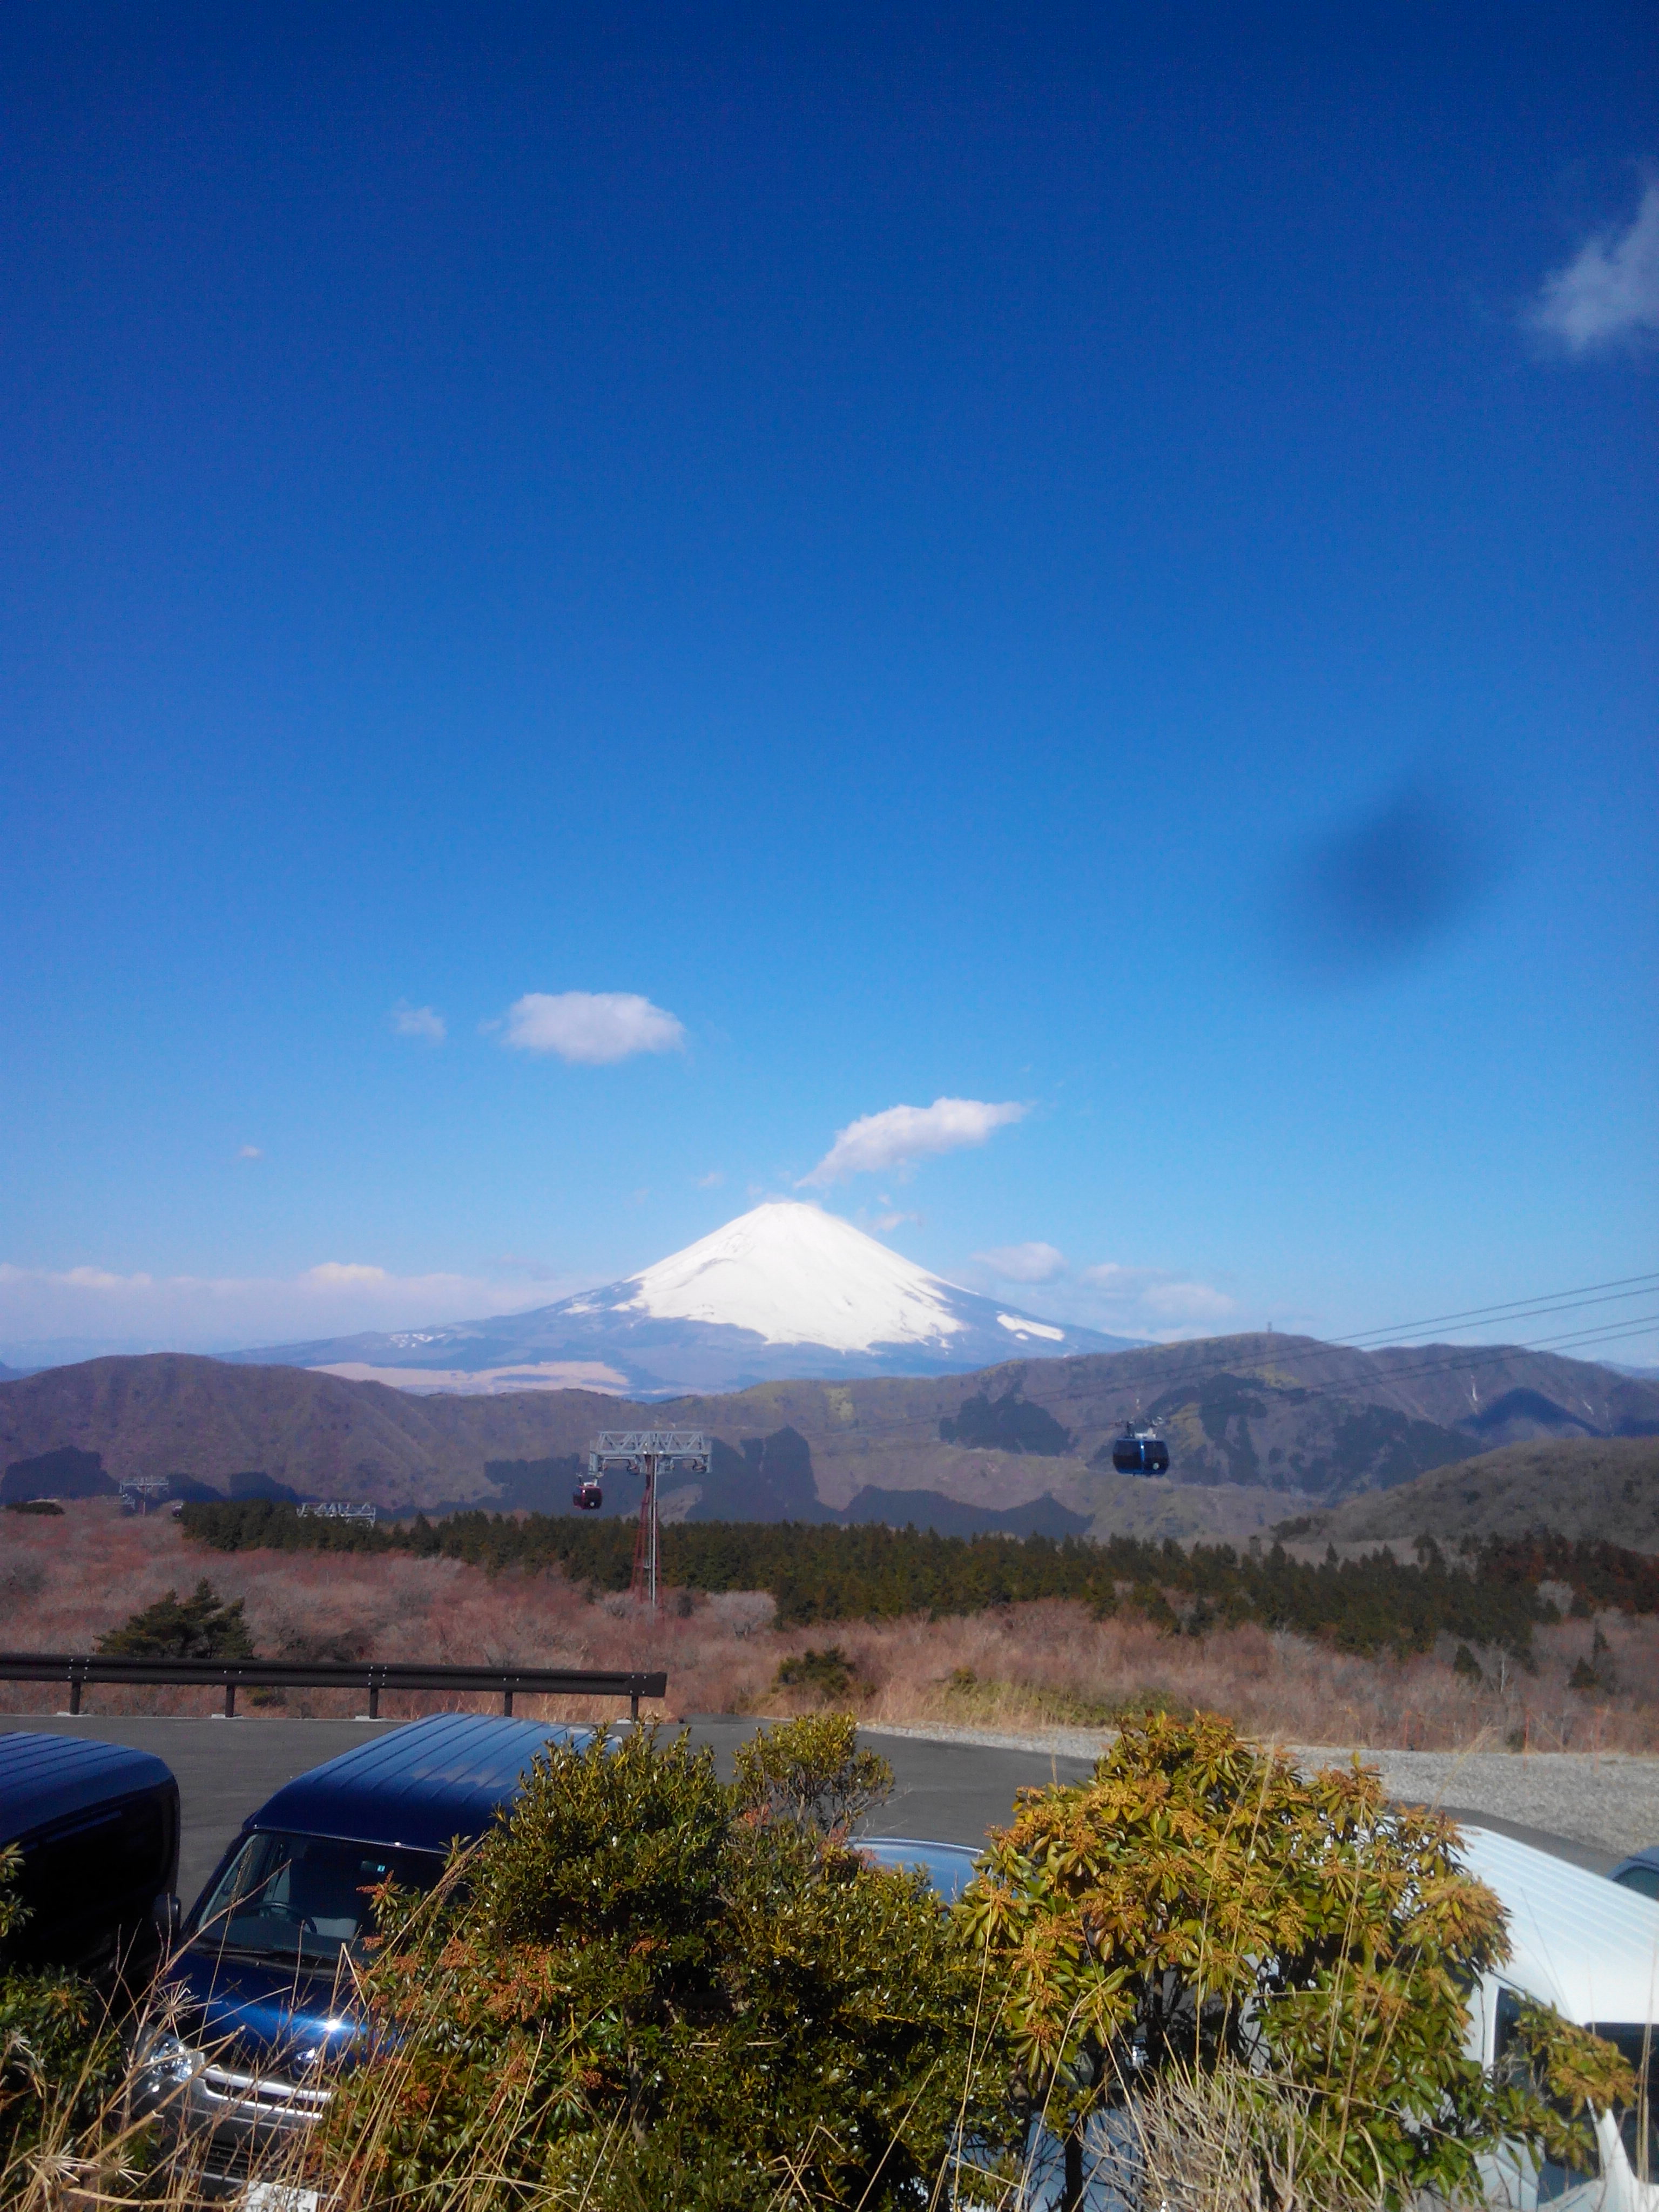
(949, 1791)
(226, 1769)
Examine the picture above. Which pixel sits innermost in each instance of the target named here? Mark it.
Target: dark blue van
(260, 1972)
(97, 1826)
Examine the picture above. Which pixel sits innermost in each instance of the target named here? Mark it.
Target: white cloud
(1186, 1302)
(422, 1022)
(591, 1027)
(1151, 1301)
(250, 1152)
(336, 1297)
(1024, 1263)
(1608, 294)
(712, 1180)
(903, 1135)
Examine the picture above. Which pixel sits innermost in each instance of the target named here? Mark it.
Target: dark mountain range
(784, 1290)
(1259, 1427)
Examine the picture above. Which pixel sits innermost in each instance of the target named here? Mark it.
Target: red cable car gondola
(587, 1497)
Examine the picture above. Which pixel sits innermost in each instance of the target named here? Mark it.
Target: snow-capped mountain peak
(786, 1290)
(795, 1274)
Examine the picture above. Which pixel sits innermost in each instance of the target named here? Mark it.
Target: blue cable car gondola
(1140, 1451)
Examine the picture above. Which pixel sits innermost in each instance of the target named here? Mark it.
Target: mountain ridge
(1263, 1426)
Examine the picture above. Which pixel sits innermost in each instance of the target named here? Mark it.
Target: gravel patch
(1066, 1743)
(1609, 1800)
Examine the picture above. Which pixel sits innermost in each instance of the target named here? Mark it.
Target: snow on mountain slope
(794, 1274)
(786, 1290)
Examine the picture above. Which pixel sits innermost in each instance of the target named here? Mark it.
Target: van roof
(46, 1778)
(1579, 1942)
(417, 1785)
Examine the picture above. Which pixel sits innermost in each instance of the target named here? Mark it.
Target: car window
(304, 1898)
(1638, 2125)
(1566, 2185)
(94, 1867)
(1644, 1879)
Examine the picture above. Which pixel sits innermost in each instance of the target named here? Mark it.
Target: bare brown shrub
(1018, 1669)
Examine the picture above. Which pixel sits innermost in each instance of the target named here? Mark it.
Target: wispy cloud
(591, 1027)
(890, 1217)
(250, 1152)
(901, 1135)
(423, 1022)
(212, 1313)
(1024, 1263)
(1152, 1300)
(712, 1180)
(1608, 295)
(1119, 1300)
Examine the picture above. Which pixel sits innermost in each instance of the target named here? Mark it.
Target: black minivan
(97, 1826)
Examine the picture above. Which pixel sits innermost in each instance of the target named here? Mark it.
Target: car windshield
(304, 1898)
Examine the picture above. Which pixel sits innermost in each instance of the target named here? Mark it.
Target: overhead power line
(1370, 1343)
(1523, 1309)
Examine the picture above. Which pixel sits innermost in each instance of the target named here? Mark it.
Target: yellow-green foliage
(812, 1772)
(646, 1987)
(1197, 1902)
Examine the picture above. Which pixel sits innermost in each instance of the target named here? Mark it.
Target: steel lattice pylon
(647, 1452)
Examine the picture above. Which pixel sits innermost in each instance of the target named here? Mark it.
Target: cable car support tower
(649, 1452)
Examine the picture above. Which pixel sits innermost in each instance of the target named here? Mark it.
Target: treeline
(819, 1574)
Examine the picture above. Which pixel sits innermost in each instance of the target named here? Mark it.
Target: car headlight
(167, 2062)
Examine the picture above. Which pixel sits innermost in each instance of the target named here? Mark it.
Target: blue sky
(1091, 561)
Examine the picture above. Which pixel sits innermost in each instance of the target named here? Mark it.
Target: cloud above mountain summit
(591, 1027)
(897, 1138)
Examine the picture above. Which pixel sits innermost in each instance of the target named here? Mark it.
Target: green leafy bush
(202, 1627)
(812, 1772)
(1196, 1902)
(647, 1988)
(829, 1672)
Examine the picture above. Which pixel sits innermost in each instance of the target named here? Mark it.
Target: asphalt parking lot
(951, 1792)
(226, 1769)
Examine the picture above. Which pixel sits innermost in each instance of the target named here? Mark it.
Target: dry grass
(1193, 2143)
(1018, 1669)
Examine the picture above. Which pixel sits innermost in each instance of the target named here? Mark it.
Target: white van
(1591, 1949)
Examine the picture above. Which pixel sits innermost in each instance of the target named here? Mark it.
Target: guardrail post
(81, 1669)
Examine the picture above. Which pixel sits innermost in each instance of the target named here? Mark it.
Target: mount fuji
(786, 1291)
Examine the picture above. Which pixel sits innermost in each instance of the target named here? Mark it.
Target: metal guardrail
(79, 1668)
